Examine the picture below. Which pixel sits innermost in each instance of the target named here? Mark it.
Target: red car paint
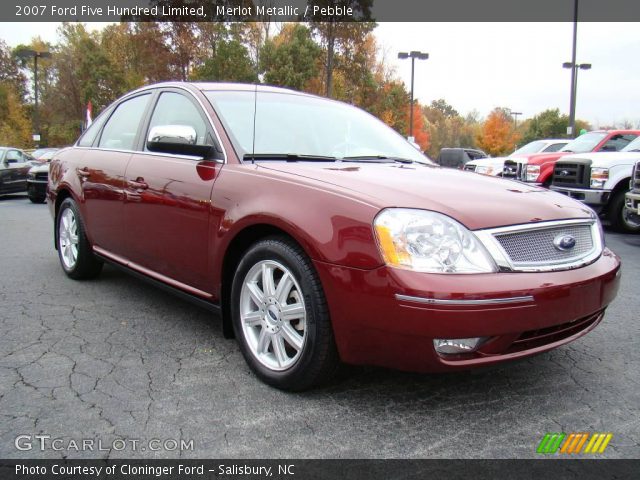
(176, 220)
(547, 161)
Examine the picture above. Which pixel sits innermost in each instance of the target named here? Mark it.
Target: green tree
(15, 126)
(231, 63)
(291, 58)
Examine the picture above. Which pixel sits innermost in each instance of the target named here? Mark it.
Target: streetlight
(412, 55)
(515, 118)
(574, 88)
(25, 54)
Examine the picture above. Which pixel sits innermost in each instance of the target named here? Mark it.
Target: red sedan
(320, 235)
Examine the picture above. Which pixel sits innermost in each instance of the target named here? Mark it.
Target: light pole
(515, 118)
(25, 54)
(574, 89)
(412, 55)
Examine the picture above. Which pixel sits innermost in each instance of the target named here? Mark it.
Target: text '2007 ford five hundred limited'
(322, 236)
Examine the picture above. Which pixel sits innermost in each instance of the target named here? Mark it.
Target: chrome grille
(537, 246)
(636, 177)
(572, 174)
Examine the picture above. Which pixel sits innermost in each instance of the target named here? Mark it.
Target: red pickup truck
(538, 168)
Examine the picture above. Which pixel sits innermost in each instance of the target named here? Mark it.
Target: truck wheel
(280, 316)
(617, 216)
(75, 253)
(35, 198)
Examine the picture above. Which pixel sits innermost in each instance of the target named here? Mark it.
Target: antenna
(255, 114)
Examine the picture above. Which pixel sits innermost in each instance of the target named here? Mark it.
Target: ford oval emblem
(564, 242)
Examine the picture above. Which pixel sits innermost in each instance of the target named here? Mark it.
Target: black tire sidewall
(86, 265)
(294, 377)
(615, 212)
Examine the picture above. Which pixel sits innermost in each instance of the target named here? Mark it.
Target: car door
(167, 199)
(17, 167)
(108, 146)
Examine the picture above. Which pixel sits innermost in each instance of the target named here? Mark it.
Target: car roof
(226, 86)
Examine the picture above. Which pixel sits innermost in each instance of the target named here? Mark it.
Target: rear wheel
(280, 316)
(617, 215)
(75, 253)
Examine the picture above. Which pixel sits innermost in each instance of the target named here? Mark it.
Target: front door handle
(138, 184)
(83, 172)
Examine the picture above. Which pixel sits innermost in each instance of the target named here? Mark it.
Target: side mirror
(176, 139)
(10, 160)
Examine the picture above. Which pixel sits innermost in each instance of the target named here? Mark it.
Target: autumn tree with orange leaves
(497, 135)
(420, 131)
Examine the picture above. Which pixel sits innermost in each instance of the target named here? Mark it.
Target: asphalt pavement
(117, 364)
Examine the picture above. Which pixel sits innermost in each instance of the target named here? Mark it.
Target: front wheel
(280, 316)
(75, 252)
(618, 217)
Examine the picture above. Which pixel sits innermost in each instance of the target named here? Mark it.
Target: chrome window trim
(484, 301)
(500, 256)
(151, 89)
(154, 154)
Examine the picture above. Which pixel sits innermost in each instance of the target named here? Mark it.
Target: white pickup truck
(600, 180)
(494, 166)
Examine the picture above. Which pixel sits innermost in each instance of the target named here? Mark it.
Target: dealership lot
(117, 359)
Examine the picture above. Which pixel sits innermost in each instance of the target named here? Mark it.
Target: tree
(420, 131)
(15, 127)
(497, 136)
(291, 58)
(10, 72)
(231, 63)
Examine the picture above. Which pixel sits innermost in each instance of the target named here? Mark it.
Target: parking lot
(116, 358)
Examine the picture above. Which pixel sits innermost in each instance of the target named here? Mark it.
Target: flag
(89, 112)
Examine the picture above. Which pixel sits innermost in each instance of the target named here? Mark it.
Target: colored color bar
(556, 444)
(583, 439)
(606, 441)
(543, 444)
(569, 441)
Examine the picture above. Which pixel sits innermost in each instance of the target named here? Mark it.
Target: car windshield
(299, 127)
(584, 143)
(633, 146)
(531, 147)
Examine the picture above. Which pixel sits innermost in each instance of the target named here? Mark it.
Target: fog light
(457, 345)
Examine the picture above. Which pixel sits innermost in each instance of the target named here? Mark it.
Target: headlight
(31, 176)
(427, 241)
(599, 177)
(484, 170)
(532, 172)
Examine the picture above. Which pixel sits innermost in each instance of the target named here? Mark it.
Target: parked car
(495, 166)
(538, 168)
(458, 157)
(38, 176)
(633, 198)
(14, 165)
(321, 235)
(42, 152)
(600, 180)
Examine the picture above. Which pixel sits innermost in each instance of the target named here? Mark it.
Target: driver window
(14, 156)
(176, 109)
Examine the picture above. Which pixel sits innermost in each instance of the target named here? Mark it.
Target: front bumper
(632, 204)
(589, 196)
(37, 187)
(378, 321)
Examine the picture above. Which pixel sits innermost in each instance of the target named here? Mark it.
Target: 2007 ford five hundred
(322, 236)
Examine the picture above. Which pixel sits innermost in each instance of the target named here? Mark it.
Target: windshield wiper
(289, 157)
(376, 157)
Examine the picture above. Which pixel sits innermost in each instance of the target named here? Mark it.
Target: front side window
(176, 109)
(290, 124)
(91, 133)
(14, 156)
(584, 143)
(618, 142)
(122, 127)
(554, 147)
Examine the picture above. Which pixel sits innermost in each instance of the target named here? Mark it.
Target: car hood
(539, 158)
(487, 162)
(605, 158)
(477, 201)
(41, 167)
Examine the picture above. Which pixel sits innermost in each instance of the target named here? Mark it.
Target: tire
(282, 324)
(74, 250)
(37, 199)
(617, 217)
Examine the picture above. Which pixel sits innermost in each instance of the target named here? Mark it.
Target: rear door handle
(138, 184)
(83, 172)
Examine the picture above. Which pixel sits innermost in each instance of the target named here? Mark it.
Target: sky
(480, 66)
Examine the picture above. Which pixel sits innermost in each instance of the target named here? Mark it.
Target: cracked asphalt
(116, 358)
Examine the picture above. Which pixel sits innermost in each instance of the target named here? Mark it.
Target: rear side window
(122, 127)
(91, 133)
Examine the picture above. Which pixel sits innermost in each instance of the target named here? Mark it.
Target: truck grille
(636, 177)
(470, 168)
(512, 169)
(536, 246)
(572, 174)
(44, 176)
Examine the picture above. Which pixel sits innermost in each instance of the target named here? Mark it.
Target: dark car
(458, 157)
(38, 176)
(14, 165)
(321, 235)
